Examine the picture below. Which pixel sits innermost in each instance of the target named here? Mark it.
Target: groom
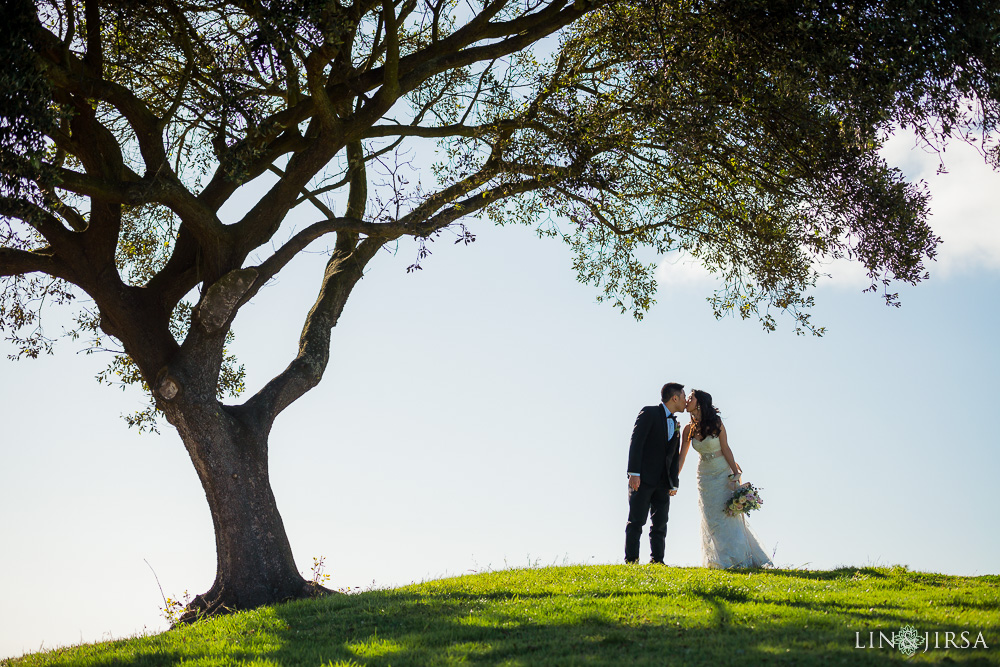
(652, 472)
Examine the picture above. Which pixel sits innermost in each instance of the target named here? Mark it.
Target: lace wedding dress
(726, 541)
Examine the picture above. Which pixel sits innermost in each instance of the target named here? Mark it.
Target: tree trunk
(254, 558)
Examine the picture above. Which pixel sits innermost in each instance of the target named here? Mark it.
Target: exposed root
(216, 602)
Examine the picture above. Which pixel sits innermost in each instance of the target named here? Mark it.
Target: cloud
(682, 270)
(843, 273)
(962, 203)
(678, 269)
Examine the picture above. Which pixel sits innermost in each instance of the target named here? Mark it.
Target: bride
(726, 542)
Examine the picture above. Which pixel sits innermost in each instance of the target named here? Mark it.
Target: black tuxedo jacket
(650, 454)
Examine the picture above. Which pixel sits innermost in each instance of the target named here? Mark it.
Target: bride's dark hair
(708, 424)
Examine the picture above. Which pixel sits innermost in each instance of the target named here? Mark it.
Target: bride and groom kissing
(655, 459)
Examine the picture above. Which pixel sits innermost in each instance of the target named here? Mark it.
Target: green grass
(595, 615)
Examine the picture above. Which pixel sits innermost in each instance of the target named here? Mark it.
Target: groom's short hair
(670, 390)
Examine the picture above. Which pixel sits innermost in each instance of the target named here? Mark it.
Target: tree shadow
(824, 575)
(411, 630)
(706, 621)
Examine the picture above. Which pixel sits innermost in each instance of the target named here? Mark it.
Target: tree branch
(94, 58)
(390, 79)
(264, 219)
(41, 220)
(66, 72)
(617, 229)
(279, 131)
(342, 273)
(287, 252)
(411, 71)
(475, 203)
(307, 195)
(181, 272)
(444, 131)
(83, 184)
(15, 262)
(451, 52)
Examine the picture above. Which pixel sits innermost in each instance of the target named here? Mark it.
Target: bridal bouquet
(744, 499)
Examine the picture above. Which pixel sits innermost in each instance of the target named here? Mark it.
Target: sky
(476, 416)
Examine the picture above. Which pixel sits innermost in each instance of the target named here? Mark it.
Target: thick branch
(342, 273)
(444, 131)
(315, 64)
(180, 275)
(451, 53)
(273, 138)
(15, 262)
(357, 197)
(286, 253)
(271, 131)
(390, 80)
(264, 219)
(477, 202)
(146, 191)
(94, 59)
(474, 29)
(530, 22)
(41, 220)
(412, 70)
(66, 72)
(82, 184)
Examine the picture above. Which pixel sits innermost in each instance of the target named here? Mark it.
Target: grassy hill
(594, 615)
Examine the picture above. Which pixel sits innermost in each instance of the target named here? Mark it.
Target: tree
(740, 132)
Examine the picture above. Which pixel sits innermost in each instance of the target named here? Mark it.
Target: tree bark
(254, 559)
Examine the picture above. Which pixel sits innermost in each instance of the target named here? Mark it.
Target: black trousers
(652, 499)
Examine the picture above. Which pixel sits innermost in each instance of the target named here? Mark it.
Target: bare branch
(14, 262)
(307, 195)
(357, 197)
(342, 273)
(286, 253)
(41, 220)
(479, 90)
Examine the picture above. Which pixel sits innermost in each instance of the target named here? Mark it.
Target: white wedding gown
(726, 541)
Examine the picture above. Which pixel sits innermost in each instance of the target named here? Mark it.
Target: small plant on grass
(173, 609)
(319, 577)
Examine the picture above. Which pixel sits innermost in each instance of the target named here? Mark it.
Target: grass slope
(594, 615)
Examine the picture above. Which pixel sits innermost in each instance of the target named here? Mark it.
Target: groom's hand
(673, 492)
(633, 482)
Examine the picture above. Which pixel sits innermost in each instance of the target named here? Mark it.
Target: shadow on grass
(884, 574)
(706, 620)
(827, 575)
(410, 630)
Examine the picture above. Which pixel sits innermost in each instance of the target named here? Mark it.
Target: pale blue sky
(476, 415)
